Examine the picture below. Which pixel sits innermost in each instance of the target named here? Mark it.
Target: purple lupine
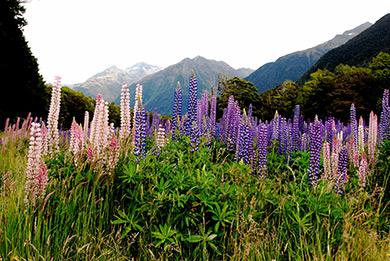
(52, 119)
(177, 113)
(36, 172)
(282, 136)
(262, 143)
(242, 146)
(192, 112)
(233, 127)
(125, 113)
(384, 124)
(295, 129)
(213, 116)
(140, 133)
(342, 170)
(289, 140)
(315, 151)
(353, 123)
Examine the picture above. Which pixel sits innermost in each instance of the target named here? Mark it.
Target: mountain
(159, 88)
(359, 51)
(109, 82)
(294, 65)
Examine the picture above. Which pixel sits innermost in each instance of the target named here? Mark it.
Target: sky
(76, 39)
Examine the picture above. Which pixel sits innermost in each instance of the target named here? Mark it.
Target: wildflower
(113, 156)
(52, 119)
(326, 157)
(177, 113)
(363, 170)
(125, 112)
(36, 173)
(315, 151)
(295, 129)
(372, 137)
(213, 115)
(242, 147)
(385, 116)
(140, 133)
(341, 171)
(262, 143)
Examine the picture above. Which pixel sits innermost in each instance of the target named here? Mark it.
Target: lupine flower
(335, 156)
(137, 106)
(363, 170)
(372, 137)
(242, 147)
(295, 129)
(354, 130)
(52, 119)
(353, 152)
(140, 133)
(315, 151)
(213, 116)
(275, 126)
(384, 124)
(326, 159)
(113, 155)
(177, 113)
(99, 127)
(161, 140)
(86, 125)
(192, 112)
(76, 138)
(36, 172)
(361, 135)
(342, 171)
(262, 143)
(125, 112)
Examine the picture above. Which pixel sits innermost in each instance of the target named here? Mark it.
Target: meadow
(194, 188)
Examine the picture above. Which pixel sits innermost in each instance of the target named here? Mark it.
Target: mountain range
(109, 82)
(159, 88)
(294, 65)
(359, 51)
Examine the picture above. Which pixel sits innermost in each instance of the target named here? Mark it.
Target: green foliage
(22, 85)
(242, 91)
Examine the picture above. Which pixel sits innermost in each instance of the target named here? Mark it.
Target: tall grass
(198, 205)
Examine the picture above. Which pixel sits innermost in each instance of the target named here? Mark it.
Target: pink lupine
(363, 170)
(76, 138)
(361, 135)
(326, 158)
(372, 137)
(52, 119)
(99, 127)
(113, 156)
(36, 173)
(86, 125)
(353, 152)
(125, 112)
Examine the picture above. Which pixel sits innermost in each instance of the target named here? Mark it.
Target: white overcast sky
(79, 38)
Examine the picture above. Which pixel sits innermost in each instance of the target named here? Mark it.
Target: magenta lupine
(372, 137)
(363, 170)
(326, 155)
(315, 151)
(36, 172)
(341, 171)
(125, 112)
(52, 119)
